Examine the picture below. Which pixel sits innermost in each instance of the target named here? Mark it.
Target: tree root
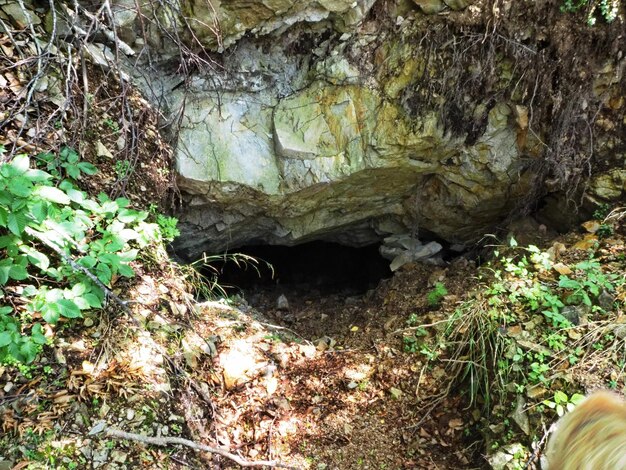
(165, 441)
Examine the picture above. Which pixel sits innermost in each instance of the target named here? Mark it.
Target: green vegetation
(436, 295)
(525, 321)
(60, 249)
(561, 402)
(607, 9)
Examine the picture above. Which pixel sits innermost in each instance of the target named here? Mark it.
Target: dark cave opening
(323, 266)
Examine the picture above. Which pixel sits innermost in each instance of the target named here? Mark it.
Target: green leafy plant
(111, 124)
(66, 164)
(589, 284)
(435, 296)
(602, 211)
(561, 402)
(604, 231)
(59, 250)
(608, 9)
(167, 225)
(122, 168)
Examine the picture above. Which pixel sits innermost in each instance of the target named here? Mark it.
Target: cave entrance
(323, 266)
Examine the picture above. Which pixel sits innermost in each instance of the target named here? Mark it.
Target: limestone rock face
(294, 148)
(322, 122)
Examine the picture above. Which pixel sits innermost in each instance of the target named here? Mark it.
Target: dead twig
(540, 445)
(165, 441)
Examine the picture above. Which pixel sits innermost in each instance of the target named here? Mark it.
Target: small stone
(458, 4)
(88, 322)
(430, 7)
(574, 313)
(605, 300)
(119, 456)
(86, 450)
(21, 18)
(130, 414)
(519, 415)
(101, 455)
(98, 428)
(104, 410)
(102, 151)
(8, 387)
(352, 385)
(282, 303)
(536, 391)
(59, 356)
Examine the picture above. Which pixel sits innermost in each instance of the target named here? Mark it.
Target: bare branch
(165, 441)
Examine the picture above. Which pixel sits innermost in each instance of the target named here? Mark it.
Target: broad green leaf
(20, 186)
(87, 168)
(53, 295)
(559, 410)
(29, 350)
(122, 202)
(127, 256)
(39, 210)
(20, 163)
(51, 313)
(91, 206)
(87, 261)
(103, 272)
(68, 308)
(8, 240)
(37, 334)
(79, 289)
(5, 338)
(37, 258)
(3, 217)
(125, 270)
(4, 274)
(16, 222)
(128, 234)
(5, 197)
(93, 300)
(75, 195)
(18, 273)
(5, 310)
(81, 303)
(567, 283)
(72, 171)
(52, 194)
(128, 215)
(37, 176)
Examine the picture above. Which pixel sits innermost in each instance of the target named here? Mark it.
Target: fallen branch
(165, 441)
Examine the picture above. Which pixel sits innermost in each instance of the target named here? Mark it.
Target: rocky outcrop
(348, 121)
(284, 149)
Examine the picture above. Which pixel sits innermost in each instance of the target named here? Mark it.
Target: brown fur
(592, 437)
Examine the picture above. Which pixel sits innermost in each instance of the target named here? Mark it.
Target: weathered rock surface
(287, 148)
(321, 122)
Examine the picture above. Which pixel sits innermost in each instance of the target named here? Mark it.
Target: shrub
(59, 249)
